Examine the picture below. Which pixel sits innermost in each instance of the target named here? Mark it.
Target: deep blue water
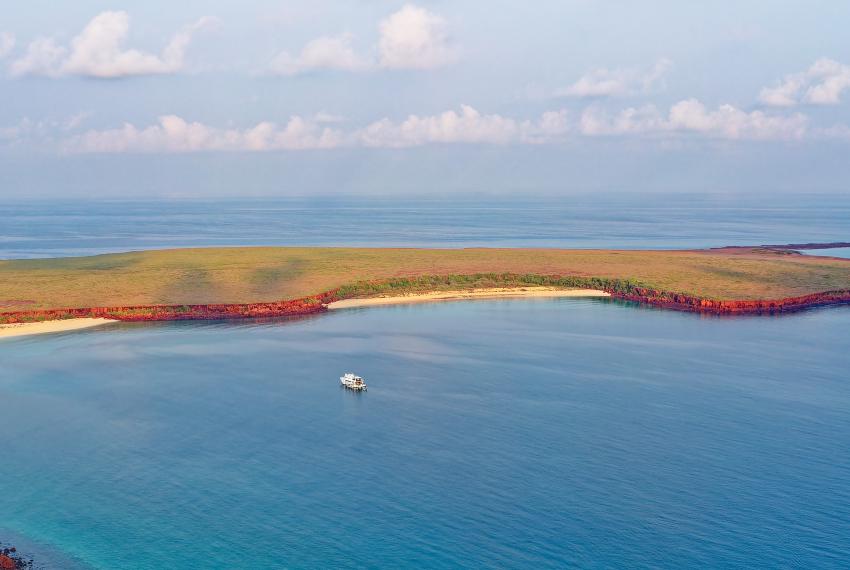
(629, 221)
(522, 433)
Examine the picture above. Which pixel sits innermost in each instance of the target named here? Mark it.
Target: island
(251, 282)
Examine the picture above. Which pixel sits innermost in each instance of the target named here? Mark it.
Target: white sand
(24, 329)
(469, 294)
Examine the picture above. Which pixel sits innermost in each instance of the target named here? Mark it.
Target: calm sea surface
(518, 433)
(50, 229)
(843, 252)
(521, 433)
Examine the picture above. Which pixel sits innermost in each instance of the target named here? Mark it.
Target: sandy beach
(469, 294)
(25, 329)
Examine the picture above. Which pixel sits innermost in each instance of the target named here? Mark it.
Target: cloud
(41, 133)
(98, 51)
(43, 57)
(7, 43)
(840, 132)
(75, 121)
(821, 84)
(632, 121)
(468, 126)
(692, 116)
(620, 82)
(411, 38)
(174, 134)
(15, 132)
(414, 38)
(833, 79)
(327, 52)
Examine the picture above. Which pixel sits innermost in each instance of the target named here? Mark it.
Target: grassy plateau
(263, 274)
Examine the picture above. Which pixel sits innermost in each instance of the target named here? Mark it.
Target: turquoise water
(522, 433)
(843, 252)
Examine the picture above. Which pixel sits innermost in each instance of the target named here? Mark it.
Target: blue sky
(380, 97)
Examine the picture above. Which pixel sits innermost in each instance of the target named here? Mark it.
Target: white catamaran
(352, 382)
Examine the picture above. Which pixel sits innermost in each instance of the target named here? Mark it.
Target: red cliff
(317, 304)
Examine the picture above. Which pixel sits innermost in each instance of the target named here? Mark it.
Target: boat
(352, 381)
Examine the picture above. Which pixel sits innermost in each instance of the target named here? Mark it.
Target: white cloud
(785, 94)
(841, 132)
(411, 38)
(76, 121)
(98, 51)
(620, 82)
(692, 116)
(43, 57)
(7, 43)
(821, 84)
(14, 132)
(732, 123)
(327, 52)
(41, 133)
(468, 126)
(551, 127)
(414, 38)
(832, 79)
(174, 134)
(596, 122)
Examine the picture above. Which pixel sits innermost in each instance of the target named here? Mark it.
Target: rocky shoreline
(295, 307)
(318, 303)
(830, 245)
(688, 303)
(10, 559)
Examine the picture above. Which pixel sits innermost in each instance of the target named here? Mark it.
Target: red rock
(316, 304)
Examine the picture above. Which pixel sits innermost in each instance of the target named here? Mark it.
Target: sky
(555, 97)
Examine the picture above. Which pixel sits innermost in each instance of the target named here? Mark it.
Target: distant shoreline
(460, 295)
(44, 327)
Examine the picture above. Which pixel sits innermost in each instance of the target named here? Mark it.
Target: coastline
(272, 282)
(59, 320)
(44, 327)
(460, 295)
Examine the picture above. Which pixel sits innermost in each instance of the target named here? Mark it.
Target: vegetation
(404, 285)
(191, 277)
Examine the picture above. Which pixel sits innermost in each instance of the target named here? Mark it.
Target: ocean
(522, 433)
(542, 433)
(625, 221)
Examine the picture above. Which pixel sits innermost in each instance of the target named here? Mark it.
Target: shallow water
(498, 433)
(843, 252)
(624, 221)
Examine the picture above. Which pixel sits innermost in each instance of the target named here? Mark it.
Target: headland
(251, 282)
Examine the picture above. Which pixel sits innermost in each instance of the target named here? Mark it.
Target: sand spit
(488, 293)
(43, 327)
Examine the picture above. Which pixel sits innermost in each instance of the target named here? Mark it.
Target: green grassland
(256, 274)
